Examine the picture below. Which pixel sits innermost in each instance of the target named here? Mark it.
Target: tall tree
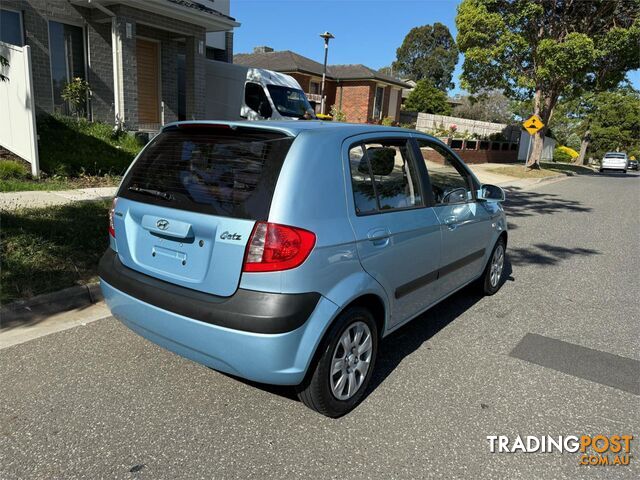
(425, 97)
(491, 106)
(428, 52)
(388, 70)
(547, 49)
(614, 122)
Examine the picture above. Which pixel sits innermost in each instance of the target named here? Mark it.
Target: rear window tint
(214, 170)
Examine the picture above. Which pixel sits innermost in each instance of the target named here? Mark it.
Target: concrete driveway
(555, 352)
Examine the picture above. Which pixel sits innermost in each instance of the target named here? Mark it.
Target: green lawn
(58, 183)
(48, 249)
(546, 170)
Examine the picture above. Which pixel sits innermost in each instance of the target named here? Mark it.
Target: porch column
(125, 72)
(195, 76)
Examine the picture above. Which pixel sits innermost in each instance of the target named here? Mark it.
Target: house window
(66, 47)
(11, 27)
(314, 88)
(377, 103)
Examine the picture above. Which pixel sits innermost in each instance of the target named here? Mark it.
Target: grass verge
(48, 249)
(546, 170)
(57, 183)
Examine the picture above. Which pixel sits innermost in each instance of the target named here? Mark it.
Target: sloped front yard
(48, 249)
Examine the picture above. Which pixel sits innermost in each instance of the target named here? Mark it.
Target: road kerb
(48, 304)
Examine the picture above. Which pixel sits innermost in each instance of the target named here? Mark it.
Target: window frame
(85, 56)
(456, 162)
(423, 184)
(21, 24)
(375, 96)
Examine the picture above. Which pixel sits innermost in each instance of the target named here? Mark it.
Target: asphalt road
(555, 352)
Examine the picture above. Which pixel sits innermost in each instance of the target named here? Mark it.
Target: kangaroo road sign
(533, 124)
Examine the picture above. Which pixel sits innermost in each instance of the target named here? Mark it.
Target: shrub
(570, 151)
(337, 114)
(75, 92)
(388, 122)
(73, 146)
(560, 155)
(12, 169)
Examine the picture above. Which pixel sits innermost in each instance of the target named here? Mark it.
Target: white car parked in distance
(614, 161)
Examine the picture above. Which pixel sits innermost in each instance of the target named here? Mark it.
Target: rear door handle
(379, 236)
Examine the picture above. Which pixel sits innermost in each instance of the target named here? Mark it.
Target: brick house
(144, 59)
(362, 93)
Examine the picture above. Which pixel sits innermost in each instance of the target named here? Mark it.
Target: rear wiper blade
(155, 193)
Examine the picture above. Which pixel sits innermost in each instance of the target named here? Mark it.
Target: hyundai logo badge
(162, 224)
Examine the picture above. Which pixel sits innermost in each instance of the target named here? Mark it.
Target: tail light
(112, 210)
(273, 247)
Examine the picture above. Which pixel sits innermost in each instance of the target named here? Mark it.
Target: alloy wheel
(351, 360)
(497, 264)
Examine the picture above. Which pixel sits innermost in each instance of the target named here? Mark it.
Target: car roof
(295, 127)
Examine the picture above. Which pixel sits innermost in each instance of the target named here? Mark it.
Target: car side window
(449, 181)
(257, 100)
(364, 196)
(384, 176)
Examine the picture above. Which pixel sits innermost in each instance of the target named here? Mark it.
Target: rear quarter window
(230, 172)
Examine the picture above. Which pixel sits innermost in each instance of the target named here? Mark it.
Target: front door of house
(148, 58)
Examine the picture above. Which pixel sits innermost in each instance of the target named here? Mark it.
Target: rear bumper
(613, 167)
(246, 310)
(276, 358)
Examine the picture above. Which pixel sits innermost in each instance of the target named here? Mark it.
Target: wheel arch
(371, 301)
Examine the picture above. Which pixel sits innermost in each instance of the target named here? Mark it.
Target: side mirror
(491, 193)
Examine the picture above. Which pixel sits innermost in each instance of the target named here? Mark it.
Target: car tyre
(602, 170)
(317, 390)
(491, 279)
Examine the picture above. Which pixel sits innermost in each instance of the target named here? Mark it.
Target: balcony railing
(314, 97)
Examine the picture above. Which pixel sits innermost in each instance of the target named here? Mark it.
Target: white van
(238, 92)
(614, 161)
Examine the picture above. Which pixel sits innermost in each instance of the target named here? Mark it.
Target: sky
(366, 31)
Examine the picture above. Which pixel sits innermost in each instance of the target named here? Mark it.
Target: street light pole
(327, 36)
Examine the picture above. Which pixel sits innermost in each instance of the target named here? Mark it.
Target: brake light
(112, 230)
(273, 247)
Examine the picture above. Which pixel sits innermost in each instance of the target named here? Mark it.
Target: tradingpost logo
(601, 450)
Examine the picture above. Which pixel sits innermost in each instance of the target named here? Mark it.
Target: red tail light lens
(112, 230)
(273, 247)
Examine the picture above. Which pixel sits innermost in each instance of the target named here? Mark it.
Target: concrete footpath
(40, 199)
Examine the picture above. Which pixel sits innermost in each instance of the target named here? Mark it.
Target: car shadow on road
(526, 203)
(407, 339)
(410, 337)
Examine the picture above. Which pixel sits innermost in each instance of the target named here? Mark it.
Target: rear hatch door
(187, 207)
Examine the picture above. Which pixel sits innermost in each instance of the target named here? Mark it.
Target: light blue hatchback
(282, 252)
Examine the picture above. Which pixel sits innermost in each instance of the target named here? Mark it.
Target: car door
(396, 229)
(465, 223)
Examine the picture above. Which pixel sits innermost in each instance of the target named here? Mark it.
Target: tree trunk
(536, 149)
(584, 144)
(543, 104)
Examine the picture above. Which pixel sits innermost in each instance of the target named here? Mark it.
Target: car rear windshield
(615, 155)
(231, 172)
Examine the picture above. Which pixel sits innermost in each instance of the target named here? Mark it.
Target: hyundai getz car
(283, 252)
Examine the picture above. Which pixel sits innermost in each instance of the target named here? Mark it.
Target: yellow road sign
(533, 124)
